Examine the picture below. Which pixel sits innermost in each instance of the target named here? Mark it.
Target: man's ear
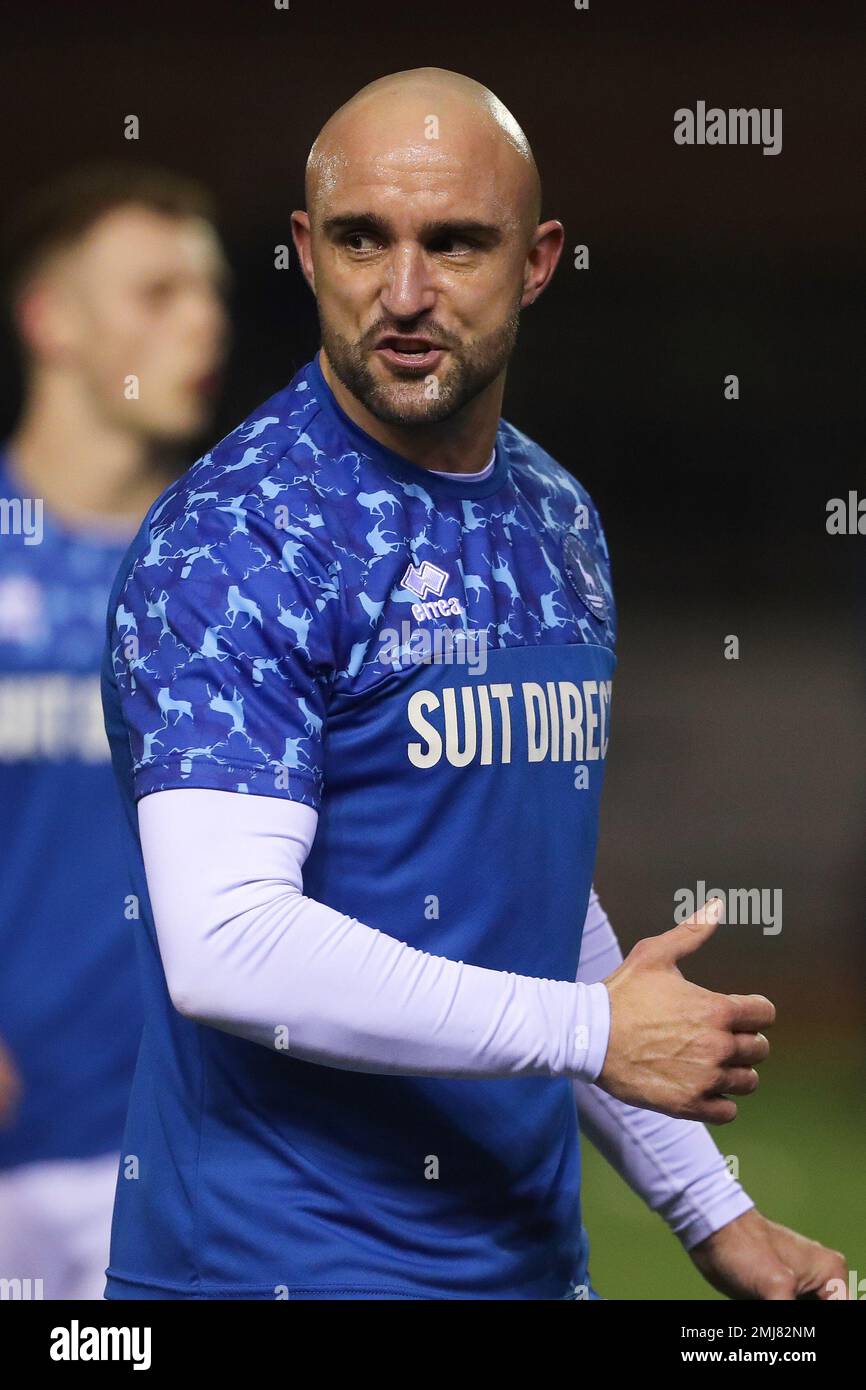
(44, 320)
(542, 260)
(303, 239)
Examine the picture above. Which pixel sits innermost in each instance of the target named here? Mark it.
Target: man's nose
(408, 290)
(207, 319)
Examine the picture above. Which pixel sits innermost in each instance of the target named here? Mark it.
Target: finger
(780, 1285)
(831, 1276)
(751, 1012)
(712, 1110)
(747, 1049)
(737, 1081)
(687, 937)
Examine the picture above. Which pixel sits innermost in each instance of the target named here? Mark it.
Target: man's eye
(158, 293)
(361, 242)
(453, 246)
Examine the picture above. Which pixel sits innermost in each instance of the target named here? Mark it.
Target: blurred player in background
(114, 281)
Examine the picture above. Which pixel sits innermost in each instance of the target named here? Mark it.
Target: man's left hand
(755, 1258)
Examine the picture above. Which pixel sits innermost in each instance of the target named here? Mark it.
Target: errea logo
(424, 579)
(427, 579)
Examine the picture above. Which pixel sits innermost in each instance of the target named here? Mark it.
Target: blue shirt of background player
(70, 1009)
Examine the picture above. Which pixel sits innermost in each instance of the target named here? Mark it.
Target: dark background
(703, 261)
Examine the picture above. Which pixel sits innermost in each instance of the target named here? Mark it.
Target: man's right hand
(674, 1046)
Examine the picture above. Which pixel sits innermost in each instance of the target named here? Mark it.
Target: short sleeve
(224, 650)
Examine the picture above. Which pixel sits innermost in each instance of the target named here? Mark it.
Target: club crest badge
(583, 574)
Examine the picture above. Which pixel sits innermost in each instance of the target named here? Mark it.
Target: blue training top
(267, 635)
(70, 1006)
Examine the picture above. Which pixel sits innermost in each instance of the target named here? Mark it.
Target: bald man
(358, 695)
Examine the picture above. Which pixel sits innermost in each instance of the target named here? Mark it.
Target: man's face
(140, 310)
(418, 257)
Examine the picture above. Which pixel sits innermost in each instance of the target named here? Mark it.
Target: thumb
(688, 936)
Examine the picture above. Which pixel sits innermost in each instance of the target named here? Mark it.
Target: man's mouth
(409, 352)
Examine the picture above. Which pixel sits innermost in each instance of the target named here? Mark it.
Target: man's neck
(460, 444)
(84, 469)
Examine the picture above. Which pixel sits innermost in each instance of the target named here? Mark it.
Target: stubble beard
(413, 401)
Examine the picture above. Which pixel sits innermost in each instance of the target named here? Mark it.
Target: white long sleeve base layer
(674, 1165)
(245, 951)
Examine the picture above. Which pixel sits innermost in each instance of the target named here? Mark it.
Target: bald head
(422, 245)
(428, 121)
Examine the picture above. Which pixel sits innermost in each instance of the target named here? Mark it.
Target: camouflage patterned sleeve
(225, 651)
